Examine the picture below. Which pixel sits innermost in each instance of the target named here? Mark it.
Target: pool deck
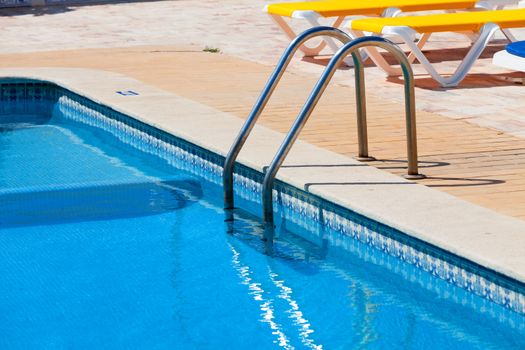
(471, 139)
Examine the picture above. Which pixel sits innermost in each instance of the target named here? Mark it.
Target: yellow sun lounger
(312, 11)
(485, 23)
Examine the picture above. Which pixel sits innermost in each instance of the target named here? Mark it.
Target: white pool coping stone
(478, 234)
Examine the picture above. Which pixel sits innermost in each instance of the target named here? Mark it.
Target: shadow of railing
(364, 183)
(467, 182)
(422, 164)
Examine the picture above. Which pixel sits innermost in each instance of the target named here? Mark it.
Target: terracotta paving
(478, 164)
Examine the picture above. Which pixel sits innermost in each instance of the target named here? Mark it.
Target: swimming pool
(113, 236)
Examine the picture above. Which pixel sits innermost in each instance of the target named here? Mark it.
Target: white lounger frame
(408, 35)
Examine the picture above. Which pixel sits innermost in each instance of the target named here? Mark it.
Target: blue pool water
(104, 246)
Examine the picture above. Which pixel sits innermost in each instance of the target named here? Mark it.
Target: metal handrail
(410, 111)
(263, 99)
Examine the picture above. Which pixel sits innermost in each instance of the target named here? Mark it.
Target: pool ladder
(350, 47)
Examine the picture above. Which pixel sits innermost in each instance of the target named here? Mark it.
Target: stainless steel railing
(349, 48)
(410, 111)
(263, 99)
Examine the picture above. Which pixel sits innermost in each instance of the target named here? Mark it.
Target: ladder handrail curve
(349, 48)
(263, 99)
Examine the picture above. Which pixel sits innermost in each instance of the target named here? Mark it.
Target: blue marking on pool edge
(127, 93)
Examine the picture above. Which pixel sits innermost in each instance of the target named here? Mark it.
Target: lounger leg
(314, 22)
(377, 58)
(486, 33)
(508, 34)
(420, 43)
(308, 51)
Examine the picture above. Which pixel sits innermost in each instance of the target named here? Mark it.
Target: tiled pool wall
(406, 256)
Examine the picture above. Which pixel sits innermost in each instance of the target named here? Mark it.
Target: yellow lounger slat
(450, 22)
(365, 7)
